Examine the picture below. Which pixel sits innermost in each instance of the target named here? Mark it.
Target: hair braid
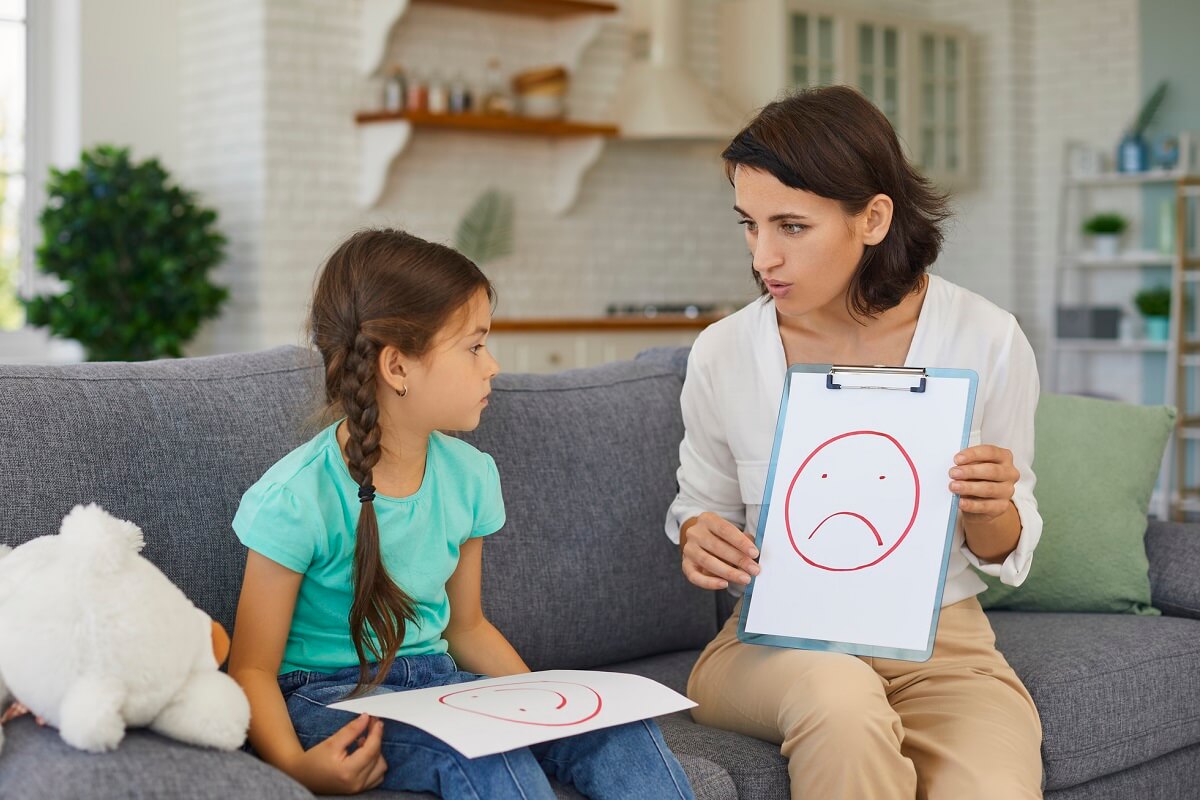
(378, 603)
(362, 409)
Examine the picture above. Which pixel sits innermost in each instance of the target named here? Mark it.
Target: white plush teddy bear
(94, 639)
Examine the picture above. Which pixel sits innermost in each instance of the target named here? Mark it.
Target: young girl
(365, 547)
(841, 231)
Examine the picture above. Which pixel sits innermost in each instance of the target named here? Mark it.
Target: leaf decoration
(485, 233)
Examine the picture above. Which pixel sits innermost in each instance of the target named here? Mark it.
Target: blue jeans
(625, 761)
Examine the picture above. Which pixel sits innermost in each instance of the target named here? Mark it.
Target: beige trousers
(959, 726)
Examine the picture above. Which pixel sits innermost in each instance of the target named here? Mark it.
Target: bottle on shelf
(439, 95)
(418, 93)
(395, 91)
(459, 95)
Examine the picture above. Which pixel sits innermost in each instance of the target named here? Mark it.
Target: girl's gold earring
(403, 392)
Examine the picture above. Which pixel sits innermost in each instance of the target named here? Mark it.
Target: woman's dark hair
(833, 142)
(380, 287)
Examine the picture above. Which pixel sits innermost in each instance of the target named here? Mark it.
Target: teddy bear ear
(90, 527)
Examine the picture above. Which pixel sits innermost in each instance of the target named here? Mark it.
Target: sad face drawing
(551, 703)
(852, 502)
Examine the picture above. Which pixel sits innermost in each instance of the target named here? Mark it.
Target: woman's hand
(984, 479)
(716, 553)
(329, 767)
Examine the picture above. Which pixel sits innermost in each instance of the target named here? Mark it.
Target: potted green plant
(132, 252)
(1155, 306)
(1105, 229)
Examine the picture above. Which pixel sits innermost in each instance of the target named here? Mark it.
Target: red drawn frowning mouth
(860, 517)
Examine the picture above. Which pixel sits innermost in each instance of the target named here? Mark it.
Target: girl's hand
(715, 553)
(17, 710)
(328, 768)
(984, 479)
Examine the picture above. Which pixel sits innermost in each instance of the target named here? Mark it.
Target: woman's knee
(843, 703)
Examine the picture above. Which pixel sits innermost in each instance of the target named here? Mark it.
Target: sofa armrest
(1173, 549)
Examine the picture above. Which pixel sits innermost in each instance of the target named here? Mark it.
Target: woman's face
(805, 247)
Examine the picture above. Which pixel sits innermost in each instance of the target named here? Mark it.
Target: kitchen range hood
(659, 97)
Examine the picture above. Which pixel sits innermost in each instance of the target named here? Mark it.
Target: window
(913, 70)
(879, 67)
(12, 158)
(814, 54)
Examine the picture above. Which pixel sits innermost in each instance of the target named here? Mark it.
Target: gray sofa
(580, 577)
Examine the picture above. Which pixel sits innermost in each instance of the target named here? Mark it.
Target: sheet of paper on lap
(495, 715)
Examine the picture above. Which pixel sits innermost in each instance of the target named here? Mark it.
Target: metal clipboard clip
(910, 372)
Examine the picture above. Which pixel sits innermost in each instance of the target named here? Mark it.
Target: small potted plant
(1155, 306)
(1105, 230)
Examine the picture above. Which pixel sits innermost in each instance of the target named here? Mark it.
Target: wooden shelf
(538, 8)
(573, 147)
(1129, 178)
(490, 123)
(1123, 260)
(1111, 345)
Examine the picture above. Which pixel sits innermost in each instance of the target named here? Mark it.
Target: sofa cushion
(170, 445)
(580, 575)
(1092, 556)
(36, 764)
(1113, 691)
(756, 768)
(1174, 776)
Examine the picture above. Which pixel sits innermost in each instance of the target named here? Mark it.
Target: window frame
(910, 31)
(52, 136)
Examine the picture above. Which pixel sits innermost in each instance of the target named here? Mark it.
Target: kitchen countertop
(622, 322)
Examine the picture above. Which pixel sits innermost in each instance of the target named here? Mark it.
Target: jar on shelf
(496, 98)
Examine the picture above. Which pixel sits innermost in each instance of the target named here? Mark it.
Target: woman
(842, 231)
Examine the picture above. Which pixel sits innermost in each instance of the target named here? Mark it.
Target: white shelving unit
(1113, 367)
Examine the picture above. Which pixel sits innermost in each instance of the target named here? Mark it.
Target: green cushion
(1096, 463)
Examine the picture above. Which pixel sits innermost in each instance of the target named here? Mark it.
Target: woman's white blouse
(731, 399)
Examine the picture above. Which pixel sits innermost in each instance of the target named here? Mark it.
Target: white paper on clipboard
(858, 518)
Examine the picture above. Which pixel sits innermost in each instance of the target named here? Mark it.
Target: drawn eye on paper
(552, 703)
(852, 502)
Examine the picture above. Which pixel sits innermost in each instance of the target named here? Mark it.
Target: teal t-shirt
(303, 514)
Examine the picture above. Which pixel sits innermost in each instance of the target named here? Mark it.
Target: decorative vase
(1158, 328)
(1133, 154)
(1106, 245)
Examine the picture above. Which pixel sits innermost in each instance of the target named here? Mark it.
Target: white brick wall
(270, 88)
(222, 108)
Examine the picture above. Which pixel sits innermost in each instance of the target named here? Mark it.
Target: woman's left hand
(984, 479)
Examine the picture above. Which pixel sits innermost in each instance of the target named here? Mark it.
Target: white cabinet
(553, 351)
(914, 70)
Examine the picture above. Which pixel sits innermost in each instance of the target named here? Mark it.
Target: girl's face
(448, 388)
(805, 247)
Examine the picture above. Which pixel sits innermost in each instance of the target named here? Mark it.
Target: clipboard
(857, 520)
